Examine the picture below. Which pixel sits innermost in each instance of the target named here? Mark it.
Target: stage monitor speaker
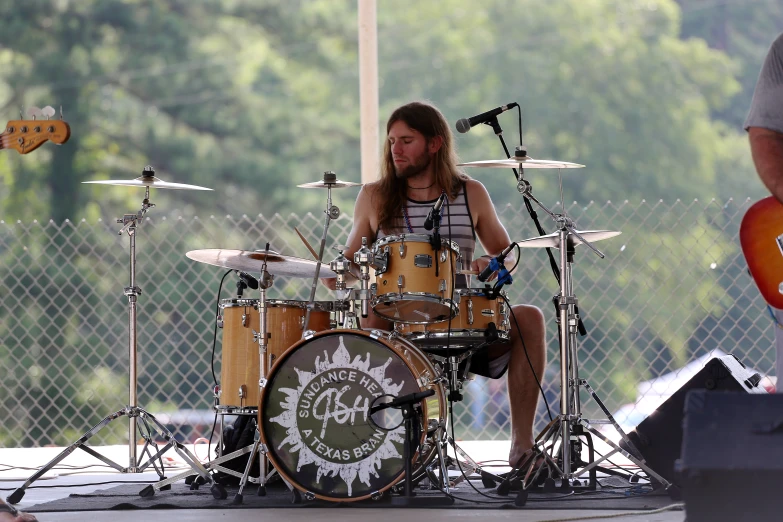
(732, 456)
(659, 437)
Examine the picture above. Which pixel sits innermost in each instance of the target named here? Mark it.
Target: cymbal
(329, 184)
(553, 240)
(147, 181)
(525, 162)
(253, 261)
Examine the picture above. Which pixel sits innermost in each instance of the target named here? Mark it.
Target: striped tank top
(456, 224)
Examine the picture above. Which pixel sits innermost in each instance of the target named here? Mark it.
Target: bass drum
(315, 420)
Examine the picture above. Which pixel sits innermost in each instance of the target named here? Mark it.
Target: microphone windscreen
(463, 125)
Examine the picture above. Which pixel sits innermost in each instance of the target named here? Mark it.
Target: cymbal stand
(567, 428)
(148, 423)
(331, 212)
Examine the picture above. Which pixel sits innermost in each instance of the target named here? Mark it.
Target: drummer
(418, 165)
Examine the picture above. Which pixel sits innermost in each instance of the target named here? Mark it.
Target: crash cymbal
(147, 181)
(553, 240)
(525, 162)
(329, 181)
(253, 261)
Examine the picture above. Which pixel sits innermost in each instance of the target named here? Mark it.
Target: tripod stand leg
(17, 495)
(253, 452)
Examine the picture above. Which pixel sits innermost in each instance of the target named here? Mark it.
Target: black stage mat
(126, 497)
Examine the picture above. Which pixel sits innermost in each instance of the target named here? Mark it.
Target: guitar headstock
(27, 135)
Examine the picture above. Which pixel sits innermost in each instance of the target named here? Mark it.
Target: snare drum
(240, 368)
(468, 328)
(413, 284)
(316, 424)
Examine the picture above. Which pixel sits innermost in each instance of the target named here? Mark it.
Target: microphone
(249, 280)
(433, 211)
(402, 400)
(495, 263)
(465, 124)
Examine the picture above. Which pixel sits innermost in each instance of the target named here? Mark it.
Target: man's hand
(330, 283)
(479, 264)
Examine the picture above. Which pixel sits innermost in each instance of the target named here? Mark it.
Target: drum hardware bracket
(308, 334)
(423, 260)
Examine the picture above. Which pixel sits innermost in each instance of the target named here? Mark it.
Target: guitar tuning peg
(48, 111)
(34, 112)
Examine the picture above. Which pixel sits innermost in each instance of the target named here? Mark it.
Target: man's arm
(766, 147)
(490, 231)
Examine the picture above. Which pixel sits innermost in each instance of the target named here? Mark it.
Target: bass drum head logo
(316, 415)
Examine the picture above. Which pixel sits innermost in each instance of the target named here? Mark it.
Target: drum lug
(401, 283)
(244, 320)
(375, 495)
(380, 261)
(309, 495)
(470, 311)
(402, 247)
(442, 286)
(376, 334)
(220, 321)
(443, 256)
(262, 383)
(308, 334)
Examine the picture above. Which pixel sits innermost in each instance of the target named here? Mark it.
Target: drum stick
(315, 256)
(469, 272)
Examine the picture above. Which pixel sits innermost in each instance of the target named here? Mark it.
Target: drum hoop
(235, 302)
(393, 296)
(318, 306)
(473, 292)
(416, 238)
(284, 356)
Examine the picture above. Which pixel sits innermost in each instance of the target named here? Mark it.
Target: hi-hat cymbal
(147, 181)
(525, 162)
(253, 261)
(553, 240)
(326, 184)
(329, 181)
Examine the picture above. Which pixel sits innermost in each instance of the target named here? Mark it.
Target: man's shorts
(480, 364)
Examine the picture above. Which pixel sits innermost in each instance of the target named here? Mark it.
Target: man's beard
(412, 169)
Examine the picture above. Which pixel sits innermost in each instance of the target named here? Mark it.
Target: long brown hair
(428, 120)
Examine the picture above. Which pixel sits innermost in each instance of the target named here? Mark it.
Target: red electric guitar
(27, 135)
(761, 237)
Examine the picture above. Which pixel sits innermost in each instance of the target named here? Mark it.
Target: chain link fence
(672, 288)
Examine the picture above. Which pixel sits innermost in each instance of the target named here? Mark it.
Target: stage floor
(81, 474)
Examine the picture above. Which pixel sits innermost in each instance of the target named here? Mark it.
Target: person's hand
(480, 263)
(329, 282)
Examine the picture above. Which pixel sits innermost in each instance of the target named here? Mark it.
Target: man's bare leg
(523, 389)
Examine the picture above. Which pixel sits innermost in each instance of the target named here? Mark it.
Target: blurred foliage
(251, 97)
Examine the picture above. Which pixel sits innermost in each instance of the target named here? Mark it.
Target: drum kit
(344, 413)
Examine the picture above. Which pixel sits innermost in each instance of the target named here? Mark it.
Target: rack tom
(240, 368)
(468, 329)
(413, 283)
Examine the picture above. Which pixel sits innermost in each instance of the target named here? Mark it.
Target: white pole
(368, 88)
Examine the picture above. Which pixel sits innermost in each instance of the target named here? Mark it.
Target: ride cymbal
(525, 162)
(553, 240)
(253, 261)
